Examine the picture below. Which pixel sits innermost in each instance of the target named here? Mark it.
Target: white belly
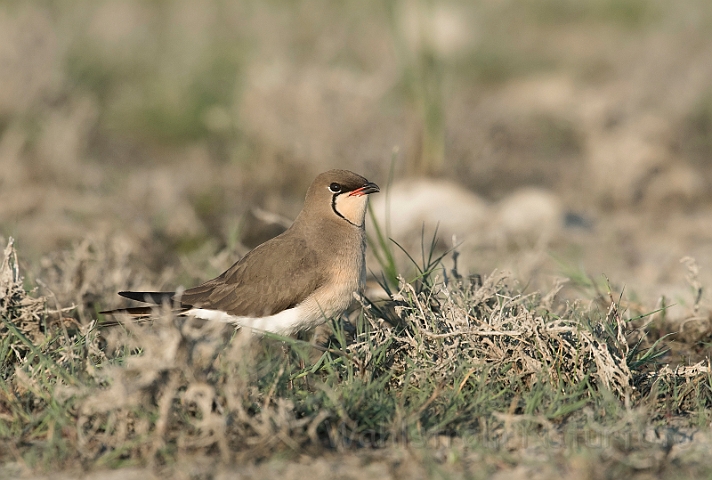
(284, 323)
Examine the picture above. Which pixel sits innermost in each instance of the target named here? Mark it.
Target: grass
(473, 364)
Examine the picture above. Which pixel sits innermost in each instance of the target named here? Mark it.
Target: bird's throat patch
(351, 208)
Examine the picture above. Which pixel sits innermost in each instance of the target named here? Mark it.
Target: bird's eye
(335, 187)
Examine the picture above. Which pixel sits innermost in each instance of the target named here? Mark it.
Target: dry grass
(455, 372)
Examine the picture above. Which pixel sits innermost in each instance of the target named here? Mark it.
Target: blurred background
(550, 137)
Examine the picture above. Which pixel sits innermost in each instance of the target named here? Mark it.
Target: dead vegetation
(449, 367)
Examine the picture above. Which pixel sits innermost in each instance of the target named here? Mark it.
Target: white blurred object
(414, 203)
(526, 217)
(443, 28)
(529, 215)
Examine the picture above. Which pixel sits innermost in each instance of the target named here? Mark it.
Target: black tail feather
(142, 313)
(137, 314)
(131, 311)
(157, 298)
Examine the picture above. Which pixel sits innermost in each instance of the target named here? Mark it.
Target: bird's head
(341, 195)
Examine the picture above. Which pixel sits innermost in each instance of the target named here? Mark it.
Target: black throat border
(333, 207)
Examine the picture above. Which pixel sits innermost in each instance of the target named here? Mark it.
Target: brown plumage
(296, 280)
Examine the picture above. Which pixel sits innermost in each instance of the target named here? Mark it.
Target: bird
(294, 281)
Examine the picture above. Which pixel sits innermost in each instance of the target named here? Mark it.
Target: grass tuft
(476, 361)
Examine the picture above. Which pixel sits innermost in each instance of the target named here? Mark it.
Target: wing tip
(156, 298)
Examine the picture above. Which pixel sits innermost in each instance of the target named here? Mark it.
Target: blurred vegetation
(174, 119)
(626, 13)
(233, 104)
(174, 72)
(697, 143)
(156, 83)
